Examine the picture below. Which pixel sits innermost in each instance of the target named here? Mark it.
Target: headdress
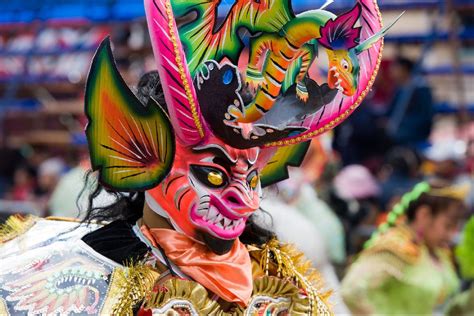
(201, 64)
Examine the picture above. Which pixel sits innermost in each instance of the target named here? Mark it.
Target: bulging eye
(215, 178)
(209, 176)
(345, 64)
(227, 77)
(253, 180)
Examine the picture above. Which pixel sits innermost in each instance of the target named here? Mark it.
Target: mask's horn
(374, 38)
(180, 96)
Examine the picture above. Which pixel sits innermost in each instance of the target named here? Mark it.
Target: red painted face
(212, 187)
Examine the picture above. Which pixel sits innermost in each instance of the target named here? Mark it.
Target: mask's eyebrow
(218, 151)
(252, 161)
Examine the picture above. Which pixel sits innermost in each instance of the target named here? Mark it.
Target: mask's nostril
(232, 200)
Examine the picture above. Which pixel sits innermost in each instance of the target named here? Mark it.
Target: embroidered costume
(397, 273)
(398, 276)
(240, 99)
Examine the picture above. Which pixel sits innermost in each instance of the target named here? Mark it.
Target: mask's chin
(216, 245)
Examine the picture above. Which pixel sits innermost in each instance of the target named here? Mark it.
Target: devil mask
(241, 103)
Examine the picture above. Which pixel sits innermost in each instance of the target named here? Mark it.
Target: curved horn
(175, 78)
(374, 38)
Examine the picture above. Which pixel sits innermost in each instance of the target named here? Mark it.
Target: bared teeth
(218, 218)
(202, 211)
(212, 214)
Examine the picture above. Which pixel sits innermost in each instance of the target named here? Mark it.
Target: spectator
(49, 173)
(411, 111)
(70, 195)
(399, 174)
(23, 185)
(298, 193)
(354, 199)
(406, 267)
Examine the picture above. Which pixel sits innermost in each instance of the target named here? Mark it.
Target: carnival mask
(232, 122)
(212, 189)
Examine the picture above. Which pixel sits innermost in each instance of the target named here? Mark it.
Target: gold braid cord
(15, 226)
(285, 261)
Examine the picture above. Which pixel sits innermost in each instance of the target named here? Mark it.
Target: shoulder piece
(286, 262)
(15, 226)
(275, 296)
(398, 241)
(182, 296)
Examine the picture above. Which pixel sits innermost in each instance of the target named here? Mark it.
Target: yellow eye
(215, 178)
(254, 181)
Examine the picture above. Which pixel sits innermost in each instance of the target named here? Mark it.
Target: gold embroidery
(272, 295)
(176, 295)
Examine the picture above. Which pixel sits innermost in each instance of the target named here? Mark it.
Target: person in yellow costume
(406, 267)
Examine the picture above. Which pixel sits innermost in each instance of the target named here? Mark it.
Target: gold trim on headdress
(458, 192)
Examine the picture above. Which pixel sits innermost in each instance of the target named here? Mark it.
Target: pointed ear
(132, 146)
(276, 169)
(365, 45)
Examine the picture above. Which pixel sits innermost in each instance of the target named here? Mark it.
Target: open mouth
(219, 222)
(335, 82)
(72, 279)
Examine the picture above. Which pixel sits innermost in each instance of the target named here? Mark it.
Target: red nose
(239, 204)
(233, 200)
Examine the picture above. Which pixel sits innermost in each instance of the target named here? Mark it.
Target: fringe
(15, 226)
(134, 283)
(291, 263)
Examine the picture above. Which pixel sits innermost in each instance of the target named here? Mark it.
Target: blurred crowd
(349, 181)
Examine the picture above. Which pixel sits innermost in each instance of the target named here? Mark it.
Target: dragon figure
(277, 48)
(293, 49)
